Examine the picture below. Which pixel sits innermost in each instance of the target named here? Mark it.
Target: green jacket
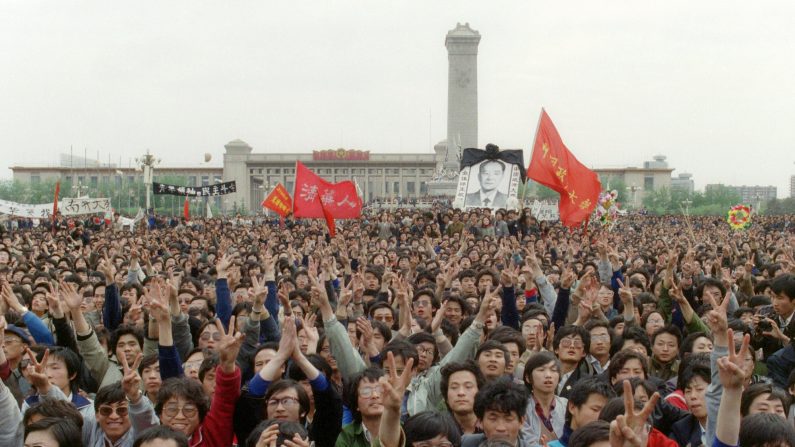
(424, 392)
(352, 435)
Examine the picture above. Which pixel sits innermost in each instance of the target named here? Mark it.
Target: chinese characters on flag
(315, 197)
(554, 166)
(279, 201)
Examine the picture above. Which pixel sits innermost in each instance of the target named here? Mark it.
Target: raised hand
(222, 265)
(37, 372)
(625, 294)
(436, 323)
(258, 291)
(229, 345)
(394, 386)
(54, 304)
(68, 294)
(131, 381)
(631, 428)
(731, 369)
(311, 332)
(488, 305)
(107, 268)
(158, 306)
(716, 318)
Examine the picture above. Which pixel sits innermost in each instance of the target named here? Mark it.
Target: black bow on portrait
(473, 156)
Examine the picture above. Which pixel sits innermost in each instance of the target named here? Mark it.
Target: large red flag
(279, 201)
(554, 166)
(316, 197)
(186, 209)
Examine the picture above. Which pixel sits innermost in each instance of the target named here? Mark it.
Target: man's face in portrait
(490, 175)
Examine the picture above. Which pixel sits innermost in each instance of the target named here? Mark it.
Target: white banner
(67, 207)
(545, 211)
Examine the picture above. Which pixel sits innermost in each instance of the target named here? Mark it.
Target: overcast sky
(708, 83)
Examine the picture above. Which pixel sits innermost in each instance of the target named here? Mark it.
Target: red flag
(312, 194)
(279, 201)
(55, 205)
(554, 166)
(186, 211)
(315, 197)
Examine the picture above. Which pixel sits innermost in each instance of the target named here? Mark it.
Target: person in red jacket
(183, 406)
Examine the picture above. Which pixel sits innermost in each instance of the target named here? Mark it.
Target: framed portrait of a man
(488, 184)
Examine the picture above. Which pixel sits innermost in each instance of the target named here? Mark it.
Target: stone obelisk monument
(462, 106)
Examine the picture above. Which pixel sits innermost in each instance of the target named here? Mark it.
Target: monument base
(443, 188)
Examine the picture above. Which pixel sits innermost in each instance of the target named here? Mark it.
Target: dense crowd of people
(420, 328)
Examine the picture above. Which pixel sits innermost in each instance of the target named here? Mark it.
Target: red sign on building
(340, 155)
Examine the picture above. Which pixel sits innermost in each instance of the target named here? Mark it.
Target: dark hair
(583, 389)
(287, 430)
(286, 384)
(148, 361)
(160, 432)
(695, 366)
(65, 432)
(505, 334)
(402, 349)
(294, 372)
(185, 388)
(543, 358)
(125, 329)
(72, 362)
(502, 395)
(670, 330)
(615, 407)
(350, 391)
(209, 363)
(633, 333)
(489, 345)
(424, 337)
(618, 361)
(707, 282)
(49, 407)
(454, 367)
(766, 429)
(274, 346)
(109, 394)
(758, 389)
(634, 383)
(428, 425)
(784, 285)
(569, 331)
(382, 305)
(591, 433)
(690, 340)
(382, 329)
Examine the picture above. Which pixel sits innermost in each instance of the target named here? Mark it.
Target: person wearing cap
(14, 344)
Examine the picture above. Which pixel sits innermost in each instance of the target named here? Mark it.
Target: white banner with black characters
(218, 189)
(544, 211)
(67, 207)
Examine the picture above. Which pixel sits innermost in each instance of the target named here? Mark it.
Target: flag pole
(532, 150)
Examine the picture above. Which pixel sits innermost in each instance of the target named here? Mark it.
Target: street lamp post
(633, 188)
(148, 163)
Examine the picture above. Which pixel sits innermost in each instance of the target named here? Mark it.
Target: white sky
(709, 83)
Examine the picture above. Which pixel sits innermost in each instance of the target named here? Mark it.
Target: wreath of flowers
(739, 217)
(607, 209)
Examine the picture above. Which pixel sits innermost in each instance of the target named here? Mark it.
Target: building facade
(378, 176)
(684, 182)
(792, 186)
(754, 195)
(654, 175)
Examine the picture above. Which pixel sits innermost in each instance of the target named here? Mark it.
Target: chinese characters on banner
(279, 201)
(67, 207)
(313, 195)
(218, 189)
(554, 166)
